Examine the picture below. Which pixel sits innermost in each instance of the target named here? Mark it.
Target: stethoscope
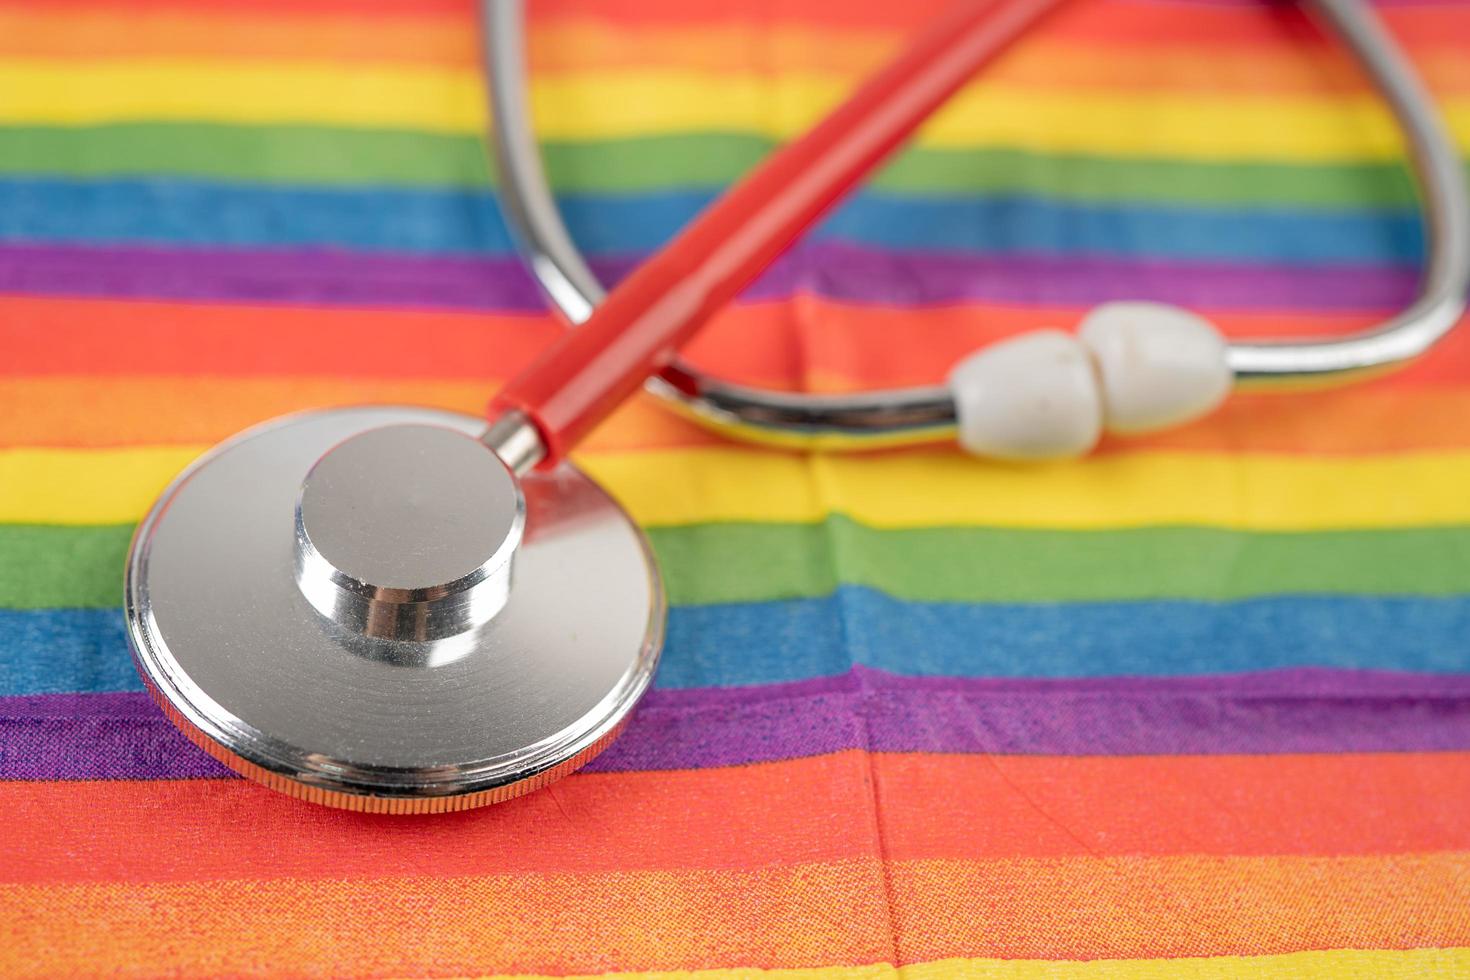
(405, 610)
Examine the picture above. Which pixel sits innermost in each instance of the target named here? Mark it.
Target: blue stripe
(72, 650)
(183, 212)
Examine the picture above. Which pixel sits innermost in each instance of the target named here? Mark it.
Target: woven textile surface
(1198, 705)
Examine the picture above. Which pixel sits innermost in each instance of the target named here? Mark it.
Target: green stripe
(43, 567)
(56, 567)
(310, 155)
(283, 154)
(756, 562)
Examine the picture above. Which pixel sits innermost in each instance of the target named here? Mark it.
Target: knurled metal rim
(368, 802)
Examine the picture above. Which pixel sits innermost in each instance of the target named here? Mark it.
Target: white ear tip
(1159, 365)
(1031, 397)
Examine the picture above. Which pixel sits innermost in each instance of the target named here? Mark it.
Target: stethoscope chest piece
(365, 608)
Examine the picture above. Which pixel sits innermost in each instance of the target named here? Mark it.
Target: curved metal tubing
(904, 415)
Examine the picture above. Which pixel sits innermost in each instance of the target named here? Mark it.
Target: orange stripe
(1364, 418)
(231, 365)
(782, 813)
(100, 412)
(461, 10)
(813, 915)
(1286, 64)
(108, 32)
(809, 915)
(581, 46)
(1132, 907)
(94, 412)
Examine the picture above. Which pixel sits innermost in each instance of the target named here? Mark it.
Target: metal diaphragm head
(366, 608)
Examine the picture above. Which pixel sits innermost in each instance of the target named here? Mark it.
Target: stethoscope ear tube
(884, 418)
(636, 331)
(1440, 303)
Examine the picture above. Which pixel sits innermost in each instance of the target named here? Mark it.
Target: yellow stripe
(1329, 964)
(621, 104)
(695, 486)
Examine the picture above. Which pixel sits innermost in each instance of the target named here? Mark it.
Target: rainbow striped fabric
(1198, 706)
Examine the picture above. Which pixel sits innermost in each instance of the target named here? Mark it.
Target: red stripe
(804, 810)
(782, 343)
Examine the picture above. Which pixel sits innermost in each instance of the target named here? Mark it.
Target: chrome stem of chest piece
(422, 550)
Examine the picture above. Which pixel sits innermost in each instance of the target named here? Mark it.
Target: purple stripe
(123, 736)
(841, 272)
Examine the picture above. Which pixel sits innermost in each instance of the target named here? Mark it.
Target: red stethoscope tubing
(637, 329)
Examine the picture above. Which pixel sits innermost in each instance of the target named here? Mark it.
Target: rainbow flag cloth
(1198, 706)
